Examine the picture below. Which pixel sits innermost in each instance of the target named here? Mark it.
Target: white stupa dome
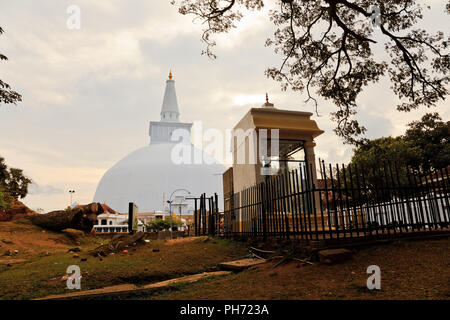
(149, 175)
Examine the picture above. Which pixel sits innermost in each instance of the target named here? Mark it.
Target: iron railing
(346, 202)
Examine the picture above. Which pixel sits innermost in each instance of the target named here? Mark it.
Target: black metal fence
(206, 215)
(345, 202)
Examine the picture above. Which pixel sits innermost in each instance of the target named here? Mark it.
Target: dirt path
(130, 288)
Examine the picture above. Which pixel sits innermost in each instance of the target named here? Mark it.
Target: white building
(149, 175)
(111, 222)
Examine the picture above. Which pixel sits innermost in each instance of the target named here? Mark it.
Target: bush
(2, 201)
(13, 182)
(160, 225)
(5, 201)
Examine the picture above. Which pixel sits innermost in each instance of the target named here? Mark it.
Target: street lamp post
(71, 195)
(170, 207)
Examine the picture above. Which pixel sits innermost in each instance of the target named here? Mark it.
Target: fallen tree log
(80, 218)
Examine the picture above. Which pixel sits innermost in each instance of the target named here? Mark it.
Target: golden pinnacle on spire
(267, 104)
(170, 75)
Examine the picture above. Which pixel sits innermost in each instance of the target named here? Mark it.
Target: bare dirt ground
(17, 211)
(409, 270)
(30, 241)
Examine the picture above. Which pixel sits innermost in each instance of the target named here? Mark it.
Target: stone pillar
(310, 158)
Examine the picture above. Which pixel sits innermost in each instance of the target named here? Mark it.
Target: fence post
(195, 217)
(210, 216)
(203, 213)
(264, 195)
(217, 218)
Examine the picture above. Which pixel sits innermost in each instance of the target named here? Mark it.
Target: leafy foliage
(5, 200)
(430, 139)
(424, 146)
(7, 95)
(160, 224)
(328, 46)
(13, 184)
(397, 161)
(383, 162)
(381, 150)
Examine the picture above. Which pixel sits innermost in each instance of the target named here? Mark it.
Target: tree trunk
(80, 218)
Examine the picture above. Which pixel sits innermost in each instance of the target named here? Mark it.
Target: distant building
(111, 221)
(107, 222)
(228, 190)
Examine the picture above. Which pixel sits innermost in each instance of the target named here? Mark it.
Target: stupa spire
(169, 109)
(267, 104)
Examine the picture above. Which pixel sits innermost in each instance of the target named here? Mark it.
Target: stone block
(333, 256)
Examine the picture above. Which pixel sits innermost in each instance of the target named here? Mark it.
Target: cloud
(35, 189)
(88, 95)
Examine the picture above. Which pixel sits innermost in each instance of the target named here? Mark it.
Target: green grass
(33, 278)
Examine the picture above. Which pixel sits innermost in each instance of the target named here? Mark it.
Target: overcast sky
(89, 94)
